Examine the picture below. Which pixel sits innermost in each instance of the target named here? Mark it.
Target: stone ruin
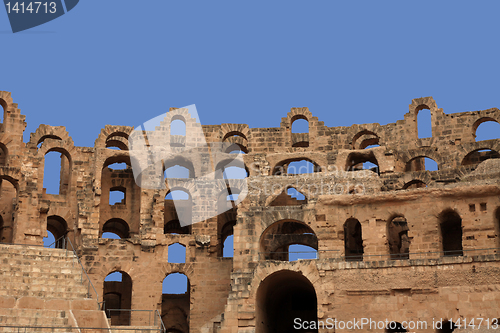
(393, 242)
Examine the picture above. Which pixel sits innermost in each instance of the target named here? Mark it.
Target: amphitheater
(394, 243)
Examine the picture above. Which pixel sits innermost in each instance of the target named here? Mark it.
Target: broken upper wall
(453, 138)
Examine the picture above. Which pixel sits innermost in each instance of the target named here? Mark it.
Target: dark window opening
(451, 233)
(353, 240)
(399, 243)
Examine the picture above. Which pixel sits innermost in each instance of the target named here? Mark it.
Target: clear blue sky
(123, 62)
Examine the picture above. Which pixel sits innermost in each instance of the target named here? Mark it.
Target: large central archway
(281, 298)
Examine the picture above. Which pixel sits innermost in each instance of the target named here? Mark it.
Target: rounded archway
(276, 239)
(283, 299)
(117, 297)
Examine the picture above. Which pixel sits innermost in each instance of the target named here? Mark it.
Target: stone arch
(355, 160)
(413, 156)
(275, 239)
(111, 133)
(178, 209)
(418, 104)
(228, 163)
(479, 121)
(365, 138)
(353, 240)
(451, 233)
(397, 237)
(305, 274)
(59, 228)
(117, 226)
(44, 132)
(281, 167)
(67, 150)
(181, 161)
(118, 295)
(475, 156)
(175, 308)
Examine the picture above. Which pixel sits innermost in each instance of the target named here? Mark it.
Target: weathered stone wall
(457, 204)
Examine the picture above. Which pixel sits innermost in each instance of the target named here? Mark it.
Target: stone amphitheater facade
(397, 243)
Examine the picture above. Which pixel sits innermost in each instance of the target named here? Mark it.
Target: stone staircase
(43, 287)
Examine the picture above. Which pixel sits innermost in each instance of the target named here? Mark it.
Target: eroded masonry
(386, 237)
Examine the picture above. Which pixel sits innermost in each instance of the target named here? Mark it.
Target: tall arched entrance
(283, 297)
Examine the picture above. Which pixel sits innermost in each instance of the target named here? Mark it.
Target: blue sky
(124, 62)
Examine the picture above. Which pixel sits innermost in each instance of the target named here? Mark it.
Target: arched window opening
(116, 226)
(8, 202)
(296, 166)
(487, 130)
(117, 143)
(421, 163)
(281, 298)
(117, 196)
(58, 227)
(175, 303)
(451, 233)
(298, 252)
(276, 239)
(175, 283)
(362, 161)
(56, 173)
(353, 240)
(424, 122)
(414, 184)
(177, 171)
(300, 125)
(477, 156)
(178, 168)
(178, 132)
(234, 172)
(397, 237)
(117, 295)
(234, 134)
(177, 253)
(118, 166)
(178, 127)
(365, 140)
(395, 327)
(178, 206)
